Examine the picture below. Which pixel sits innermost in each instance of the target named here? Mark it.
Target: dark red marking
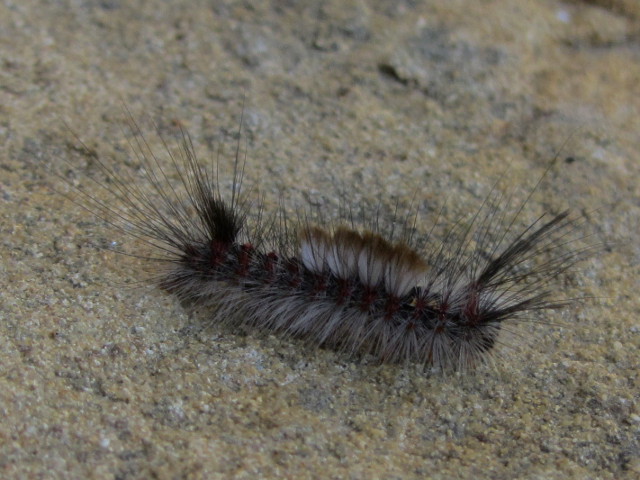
(471, 310)
(270, 264)
(218, 253)
(420, 306)
(368, 298)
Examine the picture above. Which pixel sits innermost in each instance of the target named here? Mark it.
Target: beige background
(103, 376)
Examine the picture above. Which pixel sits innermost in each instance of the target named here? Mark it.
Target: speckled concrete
(103, 376)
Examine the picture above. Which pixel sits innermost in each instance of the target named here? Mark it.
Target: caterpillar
(335, 286)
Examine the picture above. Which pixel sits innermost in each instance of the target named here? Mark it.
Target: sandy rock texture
(427, 103)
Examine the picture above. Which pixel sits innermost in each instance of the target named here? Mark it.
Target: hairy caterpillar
(335, 286)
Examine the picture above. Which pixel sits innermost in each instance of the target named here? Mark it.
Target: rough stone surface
(103, 376)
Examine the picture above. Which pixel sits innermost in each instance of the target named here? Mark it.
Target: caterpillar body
(336, 286)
